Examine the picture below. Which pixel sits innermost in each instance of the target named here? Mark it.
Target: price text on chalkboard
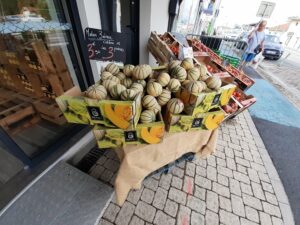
(105, 45)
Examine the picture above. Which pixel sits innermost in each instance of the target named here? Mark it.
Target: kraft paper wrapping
(138, 161)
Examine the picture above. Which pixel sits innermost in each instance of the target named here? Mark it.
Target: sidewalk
(236, 185)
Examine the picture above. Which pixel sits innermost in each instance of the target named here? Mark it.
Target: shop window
(37, 64)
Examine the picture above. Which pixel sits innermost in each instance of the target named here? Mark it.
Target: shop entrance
(123, 16)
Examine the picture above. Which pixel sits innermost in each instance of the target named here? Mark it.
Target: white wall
(154, 16)
(90, 17)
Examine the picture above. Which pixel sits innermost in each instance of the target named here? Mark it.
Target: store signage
(216, 99)
(130, 136)
(197, 122)
(94, 112)
(105, 45)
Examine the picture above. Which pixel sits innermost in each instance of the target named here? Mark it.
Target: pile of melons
(156, 88)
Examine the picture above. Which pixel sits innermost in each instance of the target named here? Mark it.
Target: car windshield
(272, 38)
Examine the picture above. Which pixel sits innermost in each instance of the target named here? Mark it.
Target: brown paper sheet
(138, 161)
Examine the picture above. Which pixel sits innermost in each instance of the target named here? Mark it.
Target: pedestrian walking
(255, 43)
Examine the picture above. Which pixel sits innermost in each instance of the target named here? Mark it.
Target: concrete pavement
(238, 184)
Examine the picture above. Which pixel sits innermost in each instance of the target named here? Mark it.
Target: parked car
(273, 48)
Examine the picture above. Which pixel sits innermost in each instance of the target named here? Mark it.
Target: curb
(280, 193)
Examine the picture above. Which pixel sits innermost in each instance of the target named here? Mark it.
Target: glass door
(37, 63)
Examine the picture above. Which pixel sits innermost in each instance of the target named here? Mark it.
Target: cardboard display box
(109, 113)
(150, 133)
(203, 121)
(205, 101)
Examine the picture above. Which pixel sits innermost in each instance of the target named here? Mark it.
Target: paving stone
(197, 219)
(104, 222)
(228, 218)
(253, 175)
(225, 203)
(247, 222)
(264, 177)
(106, 175)
(162, 219)
(176, 182)
(147, 195)
(238, 206)
(267, 187)
(145, 211)
(151, 183)
(111, 212)
(177, 196)
(229, 153)
(134, 195)
(201, 171)
(277, 221)
(136, 221)
(190, 169)
(196, 204)
(113, 179)
(203, 182)
(221, 190)
(125, 214)
(199, 192)
(211, 160)
(188, 185)
(231, 163)
(96, 171)
(221, 162)
(112, 165)
(225, 171)
(248, 156)
(212, 173)
(212, 201)
(242, 162)
(252, 201)
(156, 176)
(201, 162)
(178, 172)
(241, 177)
(241, 169)
(258, 167)
(181, 164)
(271, 198)
(223, 180)
(211, 218)
(220, 154)
(252, 214)
(238, 153)
(101, 160)
(171, 208)
(246, 188)
(235, 187)
(235, 147)
(165, 181)
(265, 219)
(184, 215)
(160, 198)
(258, 191)
(271, 209)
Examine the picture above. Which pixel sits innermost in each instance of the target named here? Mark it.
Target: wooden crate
(161, 50)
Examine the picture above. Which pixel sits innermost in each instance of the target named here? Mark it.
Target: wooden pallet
(49, 110)
(16, 115)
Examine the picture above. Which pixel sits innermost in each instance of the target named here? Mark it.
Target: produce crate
(205, 101)
(161, 47)
(238, 103)
(109, 113)
(150, 133)
(202, 121)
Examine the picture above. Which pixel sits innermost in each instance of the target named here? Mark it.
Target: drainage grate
(90, 159)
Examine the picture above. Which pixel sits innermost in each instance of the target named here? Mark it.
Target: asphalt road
(278, 123)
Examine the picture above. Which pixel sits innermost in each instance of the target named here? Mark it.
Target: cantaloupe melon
(174, 85)
(128, 95)
(163, 79)
(164, 97)
(187, 63)
(128, 69)
(154, 89)
(213, 82)
(112, 68)
(193, 74)
(175, 106)
(179, 73)
(96, 92)
(147, 116)
(149, 102)
(116, 90)
(141, 72)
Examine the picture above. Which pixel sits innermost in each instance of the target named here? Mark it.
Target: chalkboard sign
(105, 45)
